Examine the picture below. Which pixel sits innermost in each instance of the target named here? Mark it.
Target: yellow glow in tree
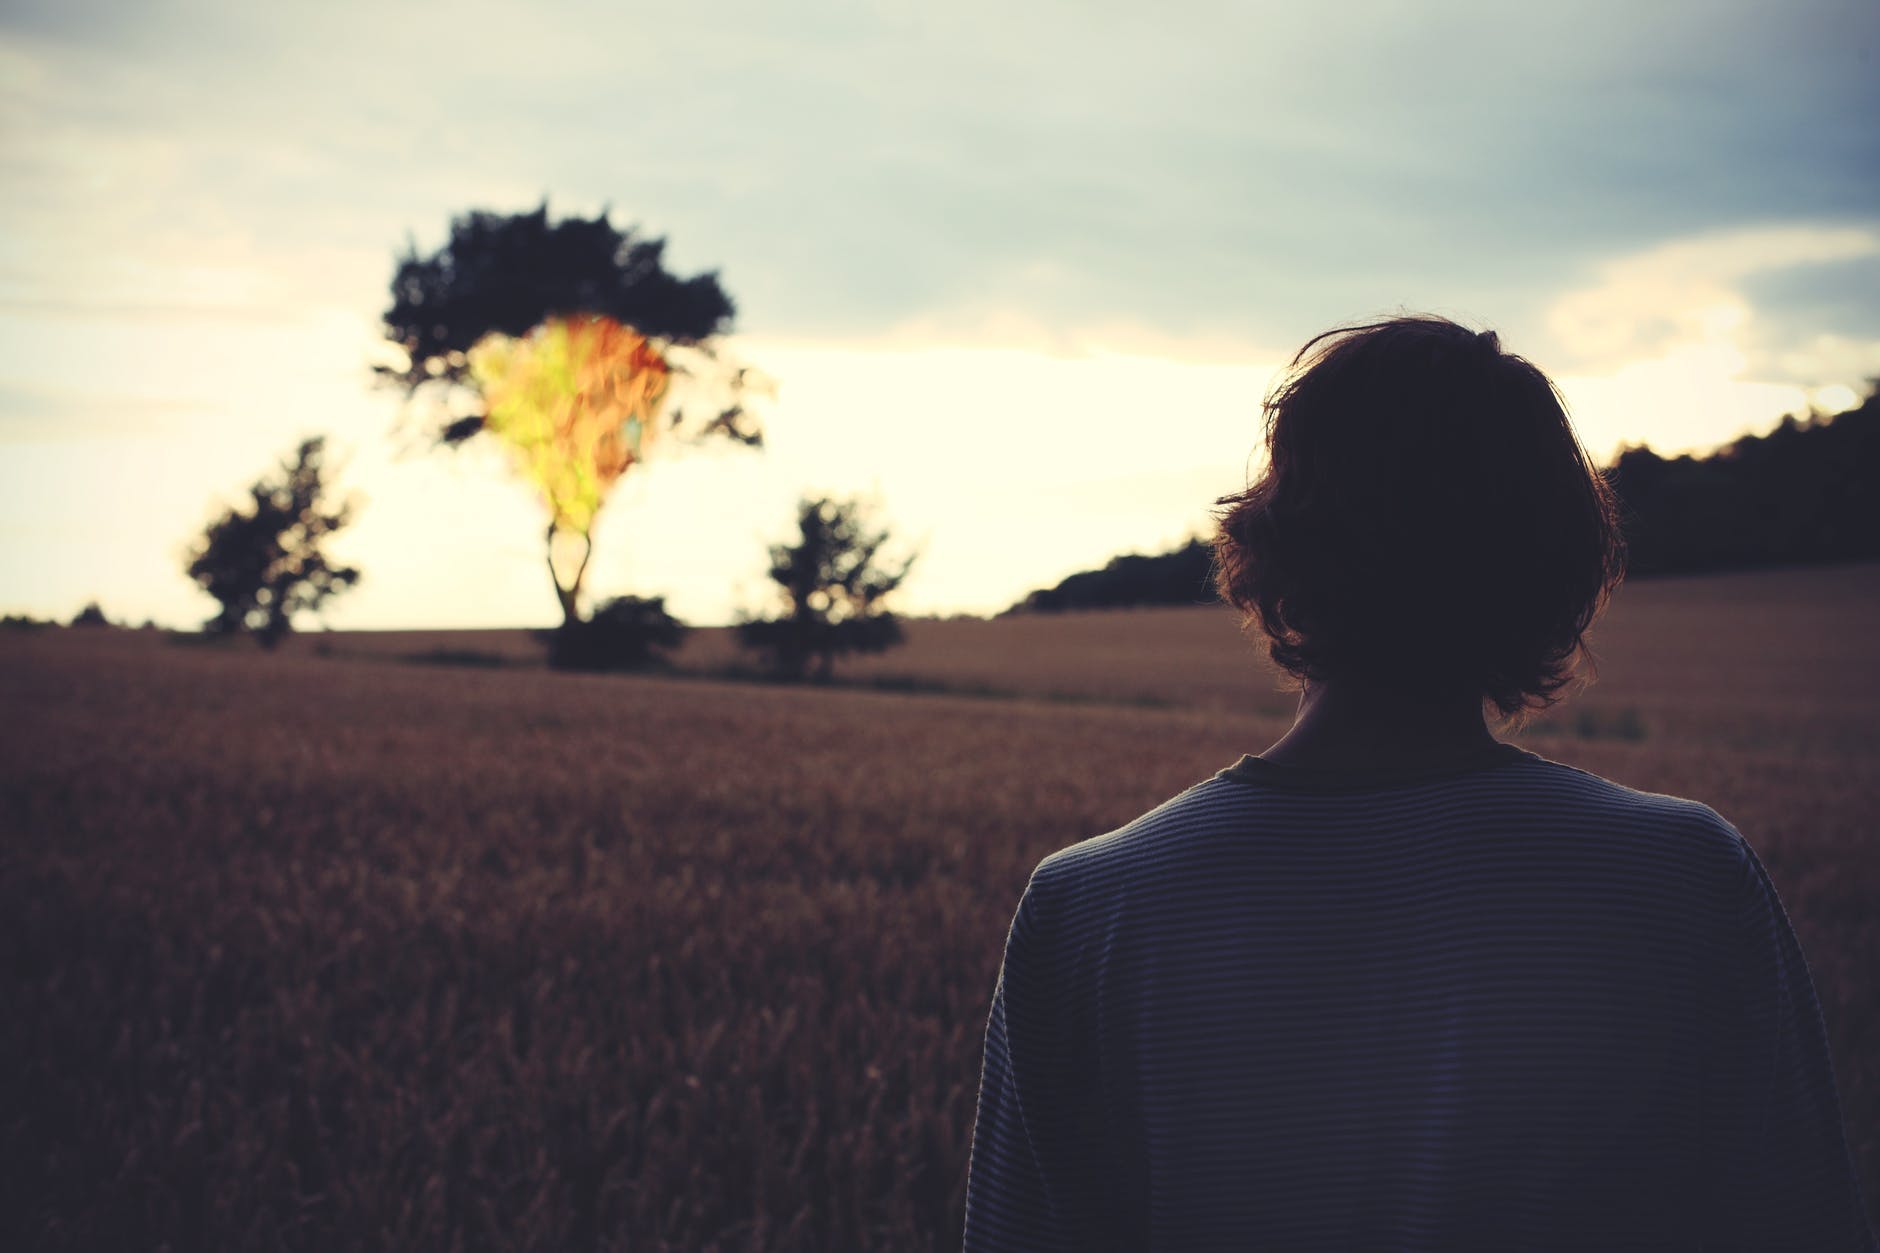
(575, 400)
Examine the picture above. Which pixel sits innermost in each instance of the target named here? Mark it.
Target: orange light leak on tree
(575, 400)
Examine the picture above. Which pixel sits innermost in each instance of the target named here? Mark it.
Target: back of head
(1426, 519)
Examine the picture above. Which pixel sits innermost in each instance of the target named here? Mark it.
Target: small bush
(626, 633)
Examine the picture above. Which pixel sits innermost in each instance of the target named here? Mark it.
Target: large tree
(570, 343)
(264, 562)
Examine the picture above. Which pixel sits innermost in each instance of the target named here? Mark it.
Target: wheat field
(319, 951)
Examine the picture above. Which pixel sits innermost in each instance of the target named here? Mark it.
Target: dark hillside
(1181, 577)
(1801, 495)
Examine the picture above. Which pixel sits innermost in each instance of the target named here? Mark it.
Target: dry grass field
(1777, 659)
(318, 951)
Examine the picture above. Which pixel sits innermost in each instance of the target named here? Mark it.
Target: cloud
(1691, 291)
(165, 311)
(39, 415)
(1672, 345)
(1236, 171)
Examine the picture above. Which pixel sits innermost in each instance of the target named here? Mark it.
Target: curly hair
(1426, 519)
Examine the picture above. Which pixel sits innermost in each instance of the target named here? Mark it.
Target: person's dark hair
(1426, 518)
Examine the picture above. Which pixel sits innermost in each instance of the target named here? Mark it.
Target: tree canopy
(264, 563)
(509, 273)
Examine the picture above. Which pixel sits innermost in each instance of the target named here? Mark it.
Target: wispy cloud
(1230, 170)
(1691, 290)
(29, 414)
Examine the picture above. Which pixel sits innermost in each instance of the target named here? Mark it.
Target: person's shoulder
(1208, 805)
(1560, 783)
(1611, 815)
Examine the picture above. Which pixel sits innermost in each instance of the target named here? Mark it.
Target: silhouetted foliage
(91, 615)
(831, 582)
(509, 273)
(1802, 494)
(23, 622)
(264, 562)
(571, 343)
(625, 633)
(1182, 576)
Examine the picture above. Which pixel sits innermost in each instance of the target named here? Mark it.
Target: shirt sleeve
(1783, 1177)
(1008, 1202)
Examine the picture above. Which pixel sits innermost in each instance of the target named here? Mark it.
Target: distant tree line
(1182, 577)
(1801, 495)
(1804, 494)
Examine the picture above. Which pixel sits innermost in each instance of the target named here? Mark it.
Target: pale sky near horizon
(1021, 272)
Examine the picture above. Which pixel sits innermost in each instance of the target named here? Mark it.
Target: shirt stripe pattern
(1513, 1006)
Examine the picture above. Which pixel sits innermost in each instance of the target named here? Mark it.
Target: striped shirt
(1511, 1005)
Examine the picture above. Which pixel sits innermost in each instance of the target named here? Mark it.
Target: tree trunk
(569, 593)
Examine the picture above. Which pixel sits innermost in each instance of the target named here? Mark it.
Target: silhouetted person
(1392, 984)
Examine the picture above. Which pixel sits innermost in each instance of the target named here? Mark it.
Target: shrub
(626, 633)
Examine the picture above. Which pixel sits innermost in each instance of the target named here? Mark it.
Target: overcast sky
(1021, 271)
